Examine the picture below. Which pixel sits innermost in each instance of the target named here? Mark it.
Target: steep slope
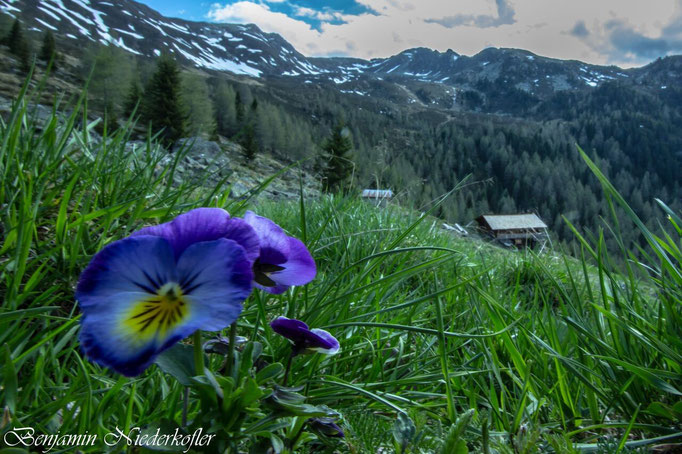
(241, 49)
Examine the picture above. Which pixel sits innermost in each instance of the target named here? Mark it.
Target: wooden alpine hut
(514, 229)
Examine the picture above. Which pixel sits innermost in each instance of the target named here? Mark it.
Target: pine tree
(248, 141)
(14, 36)
(338, 166)
(109, 70)
(18, 45)
(239, 107)
(133, 98)
(48, 51)
(224, 107)
(162, 104)
(197, 105)
(249, 134)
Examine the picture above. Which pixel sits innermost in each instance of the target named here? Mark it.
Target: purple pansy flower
(303, 338)
(283, 261)
(142, 294)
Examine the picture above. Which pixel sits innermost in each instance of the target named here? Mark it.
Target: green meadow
(448, 344)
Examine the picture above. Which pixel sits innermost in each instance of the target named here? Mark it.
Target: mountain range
(422, 76)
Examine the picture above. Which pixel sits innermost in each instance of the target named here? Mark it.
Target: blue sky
(622, 32)
(198, 11)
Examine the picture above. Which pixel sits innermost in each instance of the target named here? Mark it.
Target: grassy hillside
(447, 344)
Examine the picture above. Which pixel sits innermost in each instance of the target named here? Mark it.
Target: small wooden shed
(514, 229)
(378, 196)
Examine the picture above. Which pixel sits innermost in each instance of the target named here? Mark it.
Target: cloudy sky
(622, 32)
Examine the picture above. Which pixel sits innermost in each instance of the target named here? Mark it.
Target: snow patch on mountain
(126, 32)
(47, 25)
(7, 7)
(246, 50)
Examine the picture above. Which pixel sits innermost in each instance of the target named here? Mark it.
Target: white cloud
(544, 28)
(319, 15)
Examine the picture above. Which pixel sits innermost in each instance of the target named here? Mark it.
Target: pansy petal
(200, 224)
(134, 264)
(323, 342)
(107, 339)
(116, 292)
(276, 290)
(274, 242)
(300, 267)
(240, 231)
(215, 277)
(292, 329)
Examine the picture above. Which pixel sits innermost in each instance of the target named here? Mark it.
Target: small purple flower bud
(305, 340)
(326, 427)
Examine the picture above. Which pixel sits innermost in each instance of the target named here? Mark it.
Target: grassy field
(447, 344)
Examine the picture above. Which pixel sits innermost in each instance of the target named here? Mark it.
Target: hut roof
(513, 221)
(377, 193)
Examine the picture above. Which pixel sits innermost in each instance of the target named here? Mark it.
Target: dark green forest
(523, 163)
(519, 151)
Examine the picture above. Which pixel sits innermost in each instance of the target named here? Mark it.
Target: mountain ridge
(245, 49)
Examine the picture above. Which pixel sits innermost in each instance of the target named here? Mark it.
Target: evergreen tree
(110, 70)
(224, 106)
(338, 166)
(239, 107)
(248, 141)
(18, 45)
(249, 134)
(48, 51)
(14, 36)
(198, 106)
(162, 103)
(133, 98)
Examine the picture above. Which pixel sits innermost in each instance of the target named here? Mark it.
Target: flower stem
(230, 351)
(185, 405)
(198, 353)
(288, 368)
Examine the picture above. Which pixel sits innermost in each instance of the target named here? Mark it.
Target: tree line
(21, 47)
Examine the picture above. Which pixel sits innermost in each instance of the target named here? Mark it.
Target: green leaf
(60, 223)
(460, 448)
(178, 361)
(648, 375)
(277, 443)
(13, 315)
(463, 422)
(251, 351)
(660, 409)
(288, 402)
(268, 372)
(251, 392)
(9, 376)
(677, 408)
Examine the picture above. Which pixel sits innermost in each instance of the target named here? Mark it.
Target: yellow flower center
(158, 313)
